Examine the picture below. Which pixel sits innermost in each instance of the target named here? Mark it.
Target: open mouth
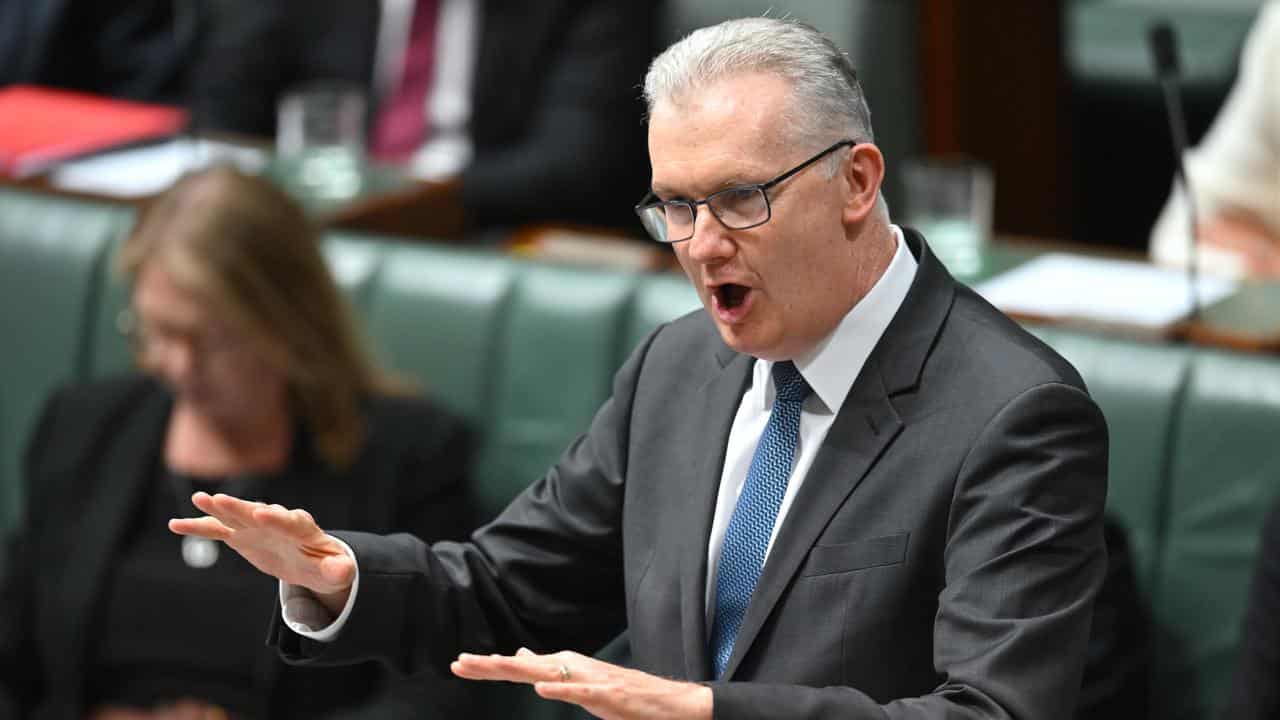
(730, 296)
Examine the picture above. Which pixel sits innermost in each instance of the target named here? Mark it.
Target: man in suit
(543, 94)
(848, 487)
(133, 49)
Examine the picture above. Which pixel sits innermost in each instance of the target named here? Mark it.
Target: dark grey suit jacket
(940, 560)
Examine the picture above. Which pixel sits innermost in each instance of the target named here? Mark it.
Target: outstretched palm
(286, 544)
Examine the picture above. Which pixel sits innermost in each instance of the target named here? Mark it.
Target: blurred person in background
(527, 112)
(140, 50)
(1235, 172)
(255, 382)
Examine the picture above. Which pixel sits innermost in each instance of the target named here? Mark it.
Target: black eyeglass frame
(762, 188)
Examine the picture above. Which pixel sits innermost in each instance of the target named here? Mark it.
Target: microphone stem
(1178, 130)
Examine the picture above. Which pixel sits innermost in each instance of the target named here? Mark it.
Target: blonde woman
(254, 382)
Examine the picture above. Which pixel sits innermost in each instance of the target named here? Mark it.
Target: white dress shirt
(830, 369)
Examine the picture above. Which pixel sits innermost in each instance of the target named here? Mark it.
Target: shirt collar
(835, 362)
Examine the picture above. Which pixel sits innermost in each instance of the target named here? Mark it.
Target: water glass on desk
(950, 201)
(320, 143)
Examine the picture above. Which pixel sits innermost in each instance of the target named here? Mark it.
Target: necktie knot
(788, 384)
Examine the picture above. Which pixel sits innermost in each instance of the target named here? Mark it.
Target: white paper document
(149, 169)
(1124, 292)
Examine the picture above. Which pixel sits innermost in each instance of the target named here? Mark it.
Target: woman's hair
(246, 249)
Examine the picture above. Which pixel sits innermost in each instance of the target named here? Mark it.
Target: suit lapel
(722, 394)
(867, 423)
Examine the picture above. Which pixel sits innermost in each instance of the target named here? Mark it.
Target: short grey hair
(828, 103)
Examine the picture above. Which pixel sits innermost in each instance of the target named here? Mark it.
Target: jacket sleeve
(546, 574)
(1024, 559)
(429, 493)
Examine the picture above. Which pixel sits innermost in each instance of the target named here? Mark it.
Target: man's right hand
(286, 544)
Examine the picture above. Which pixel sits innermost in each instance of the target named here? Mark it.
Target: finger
(232, 511)
(212, 504)
(203, 501)
(296, 524)
(206, 527)
(523, 669)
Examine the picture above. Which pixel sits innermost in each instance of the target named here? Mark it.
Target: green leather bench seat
(355, 265)
(51, 253)
(1224, 478)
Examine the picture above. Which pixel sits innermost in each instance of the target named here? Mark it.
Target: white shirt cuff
(305, 615)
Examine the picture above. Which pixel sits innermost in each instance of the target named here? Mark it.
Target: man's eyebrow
(737, 181)
(730, 182)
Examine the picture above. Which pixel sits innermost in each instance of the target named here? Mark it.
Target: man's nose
(711, 241)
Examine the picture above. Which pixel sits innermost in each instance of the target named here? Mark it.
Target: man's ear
(863, 171)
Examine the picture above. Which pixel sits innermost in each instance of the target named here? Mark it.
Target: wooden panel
(995, 90)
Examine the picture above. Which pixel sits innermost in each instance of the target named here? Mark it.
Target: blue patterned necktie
(747, 538)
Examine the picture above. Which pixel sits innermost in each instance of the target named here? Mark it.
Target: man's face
(774, 291)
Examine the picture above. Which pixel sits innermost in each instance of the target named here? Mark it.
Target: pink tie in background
(401, 126)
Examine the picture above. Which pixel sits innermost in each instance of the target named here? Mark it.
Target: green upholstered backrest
(658, 299)
(1137, 386)
(355, 263)
(435, 314)
(1223, 479)
(555, 362)
(51, 254)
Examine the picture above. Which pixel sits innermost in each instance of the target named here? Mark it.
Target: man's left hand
(606, 691)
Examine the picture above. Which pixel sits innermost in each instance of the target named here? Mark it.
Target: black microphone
(1164, 51)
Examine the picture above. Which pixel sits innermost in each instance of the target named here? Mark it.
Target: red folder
(40, 126)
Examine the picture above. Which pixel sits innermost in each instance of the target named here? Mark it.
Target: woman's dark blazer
(87, 469)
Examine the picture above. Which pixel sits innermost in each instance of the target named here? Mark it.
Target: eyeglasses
(737, 208)
(149, 340)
